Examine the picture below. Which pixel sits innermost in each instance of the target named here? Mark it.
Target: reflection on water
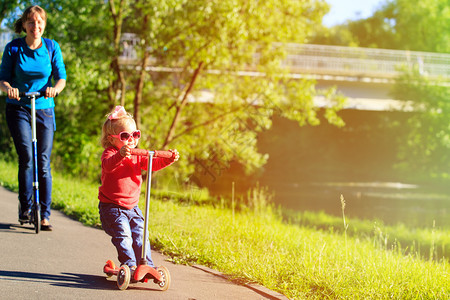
(390, 202)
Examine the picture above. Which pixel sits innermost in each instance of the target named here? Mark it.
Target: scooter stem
(143, 260)
(34, 140)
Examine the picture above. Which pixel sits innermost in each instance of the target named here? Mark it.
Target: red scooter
(143, 272)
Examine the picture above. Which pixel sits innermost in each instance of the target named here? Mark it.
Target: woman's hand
(13, 93)
(51, 92)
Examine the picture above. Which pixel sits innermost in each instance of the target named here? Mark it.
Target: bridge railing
(339, 61)
(366, 62)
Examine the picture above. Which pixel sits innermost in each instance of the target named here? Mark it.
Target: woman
(28, 65)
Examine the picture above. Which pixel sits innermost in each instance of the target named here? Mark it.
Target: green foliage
(214, 39)
(6, 8)
(6, 142)
(425, 149)
(339, 35)
(418, 25)
(209, 45)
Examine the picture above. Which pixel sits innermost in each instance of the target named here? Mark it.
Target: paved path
(67, 263)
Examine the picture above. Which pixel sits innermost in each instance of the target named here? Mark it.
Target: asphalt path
(67, 263)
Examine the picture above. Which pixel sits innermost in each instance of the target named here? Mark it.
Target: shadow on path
(8, 227)
(71, 280)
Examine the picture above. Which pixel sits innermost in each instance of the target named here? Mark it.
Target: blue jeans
(19, 124)
(126, 228)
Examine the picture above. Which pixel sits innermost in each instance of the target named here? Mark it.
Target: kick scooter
(36, 207)
(143, 272)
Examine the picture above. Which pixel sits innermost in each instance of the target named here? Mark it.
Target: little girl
(121, 185)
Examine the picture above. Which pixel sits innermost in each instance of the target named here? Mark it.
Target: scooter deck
(142, 272)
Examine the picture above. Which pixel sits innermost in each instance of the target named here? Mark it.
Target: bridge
(364, 75)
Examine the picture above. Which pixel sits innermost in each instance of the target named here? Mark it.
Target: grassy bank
(255, 244)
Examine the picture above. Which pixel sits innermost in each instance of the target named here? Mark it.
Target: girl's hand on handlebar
(125, 151)
(175, 154)
(50, 92)
(13, 93)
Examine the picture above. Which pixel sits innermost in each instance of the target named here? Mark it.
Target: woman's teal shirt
(32, 71)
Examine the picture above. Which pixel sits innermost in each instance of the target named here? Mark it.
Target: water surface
(390, 202)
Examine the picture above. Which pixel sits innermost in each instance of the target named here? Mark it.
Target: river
(390, 202)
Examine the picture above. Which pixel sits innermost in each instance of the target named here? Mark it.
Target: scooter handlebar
(36, 94)
(157, 153)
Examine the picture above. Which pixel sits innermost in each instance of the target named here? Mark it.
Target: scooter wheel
(37, 218)
(123, 277)
(164, 284)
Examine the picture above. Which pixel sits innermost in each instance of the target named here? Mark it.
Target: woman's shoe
(25, 217)
(45, 225)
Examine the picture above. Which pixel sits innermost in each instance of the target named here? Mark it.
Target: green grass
(254, 243)
(425, 242)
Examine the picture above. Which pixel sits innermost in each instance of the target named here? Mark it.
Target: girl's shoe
(132, 269)
(45, 225)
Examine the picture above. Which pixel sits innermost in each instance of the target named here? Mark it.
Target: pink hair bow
(119, 112)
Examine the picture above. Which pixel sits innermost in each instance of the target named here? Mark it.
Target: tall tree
(6, 8)
(210, 76)
(85, 31)
(117, 88)
(418, 25)
(425, 149)
(216, 76)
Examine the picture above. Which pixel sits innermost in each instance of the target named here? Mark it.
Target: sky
(342, 10)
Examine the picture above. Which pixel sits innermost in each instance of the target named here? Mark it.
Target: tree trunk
(141, 79)
(180, 107)
(139, 89)
(119, 82)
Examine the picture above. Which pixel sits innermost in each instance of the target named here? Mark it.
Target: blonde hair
(35, 9)
(114, 126)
